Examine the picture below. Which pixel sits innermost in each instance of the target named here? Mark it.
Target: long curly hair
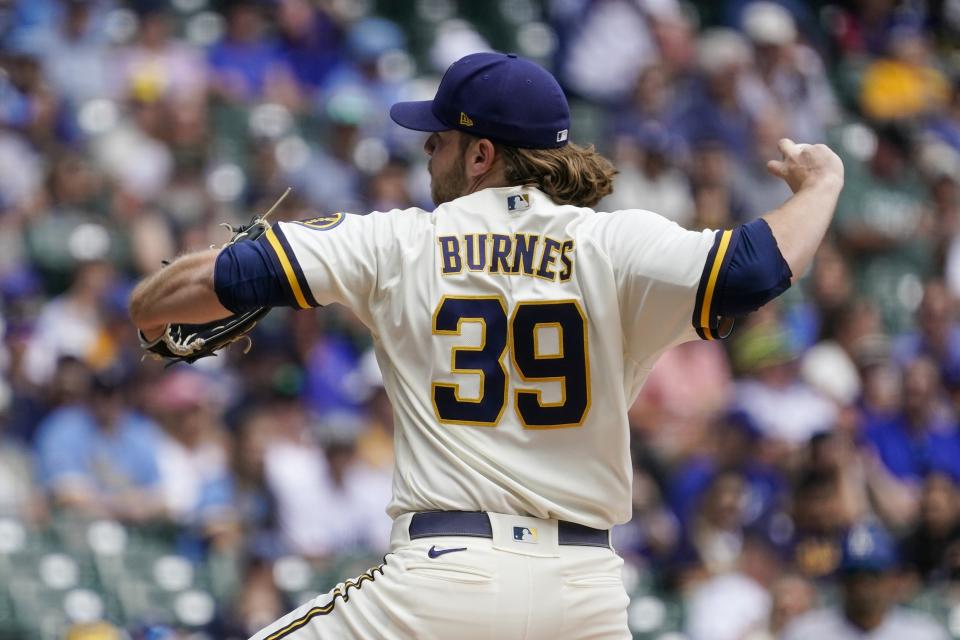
(571, 174)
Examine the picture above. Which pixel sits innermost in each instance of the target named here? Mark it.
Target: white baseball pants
(469, 588)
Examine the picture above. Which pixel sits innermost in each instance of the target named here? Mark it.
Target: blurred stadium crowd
(205, 501)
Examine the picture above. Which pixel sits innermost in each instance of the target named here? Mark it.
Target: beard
(449, 185)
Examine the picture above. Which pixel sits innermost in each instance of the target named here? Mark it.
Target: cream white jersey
(512, 334)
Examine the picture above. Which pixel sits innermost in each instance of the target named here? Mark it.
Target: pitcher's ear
(481, 155)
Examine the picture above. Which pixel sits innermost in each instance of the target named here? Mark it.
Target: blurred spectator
(29, 105)
(373, 46)
(714, 536)
(21, 179)
(245, 66)
(99, 458)
(76, 60)
(346, 111)
(674, 32)
(882, 390)
(649, 104)
(375, 442)
(651, 535)
(135, 153)
(883, 223)
(793, 596)
(868, 587)
(716, 204)
(736, 604)
(158, 66)
(75, 186)
(791, 75)
(784, 408)
(713, 108)
(309, 41)
(648, 177)
(685, 389)
(733, 444)
(937, 535)
(937, 335)
(727, 607)
(389, 188)
(865, 27)
(757, 190)
(69, 385)
(859, 331)
(609, 42)
(327, 501)
(73, 325)
(192, 457)
(828, 290)
(818, 523)
(334, 380)
(252, 501)
(906, 82)
(862, 485)
(924, 436)
(830, 370)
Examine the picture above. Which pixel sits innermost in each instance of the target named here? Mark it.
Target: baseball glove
(190, 342)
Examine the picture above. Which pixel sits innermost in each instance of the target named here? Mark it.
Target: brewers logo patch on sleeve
(323, 223)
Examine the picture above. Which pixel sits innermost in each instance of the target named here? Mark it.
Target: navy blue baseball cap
(499, 96)
(868, 547)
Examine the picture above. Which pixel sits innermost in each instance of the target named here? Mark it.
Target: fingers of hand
(777, 168)
(787, 147)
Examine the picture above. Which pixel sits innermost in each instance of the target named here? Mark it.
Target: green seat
(151, 579)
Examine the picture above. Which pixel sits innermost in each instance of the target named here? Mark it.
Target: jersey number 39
(569, 364)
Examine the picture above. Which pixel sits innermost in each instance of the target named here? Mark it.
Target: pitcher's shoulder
(624, 224)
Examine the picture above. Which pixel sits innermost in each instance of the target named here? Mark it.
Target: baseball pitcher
(514, 325)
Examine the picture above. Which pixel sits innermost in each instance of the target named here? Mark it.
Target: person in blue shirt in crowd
(937, 335)
(924, 436)
(245, 63)
(309, 40)
(99, 458)
(736, 438)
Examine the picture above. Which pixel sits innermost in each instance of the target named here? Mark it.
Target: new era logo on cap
(465, 120)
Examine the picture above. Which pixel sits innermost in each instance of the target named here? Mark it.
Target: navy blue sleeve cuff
(744, 270)
(250, 275)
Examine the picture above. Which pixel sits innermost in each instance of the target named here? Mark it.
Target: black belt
(476, 524)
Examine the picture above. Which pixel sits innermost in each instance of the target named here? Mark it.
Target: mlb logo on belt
(525, 534)
(518, 203)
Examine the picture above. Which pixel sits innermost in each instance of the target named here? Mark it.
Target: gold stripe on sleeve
(712, 283)
(287, 268)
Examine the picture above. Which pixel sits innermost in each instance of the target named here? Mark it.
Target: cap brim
(417, 116)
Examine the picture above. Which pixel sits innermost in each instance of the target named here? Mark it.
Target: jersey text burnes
(518, 254)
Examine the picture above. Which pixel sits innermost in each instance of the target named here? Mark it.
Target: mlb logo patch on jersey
(518, 203)
(525, 534)
(323, 223)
